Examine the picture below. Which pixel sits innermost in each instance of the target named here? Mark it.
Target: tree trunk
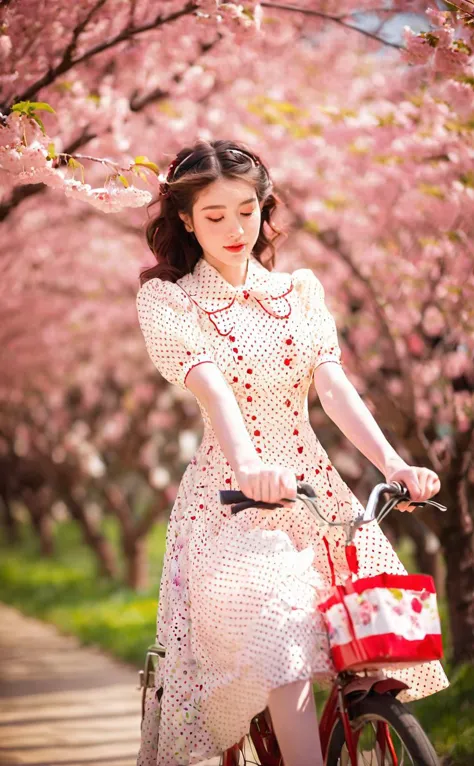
(136, 562)
(9, 522)
(457, 541)
(102, 548)
(41, 520)
(427, 551)
(44, 527)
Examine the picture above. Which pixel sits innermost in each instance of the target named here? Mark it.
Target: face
(226, 212)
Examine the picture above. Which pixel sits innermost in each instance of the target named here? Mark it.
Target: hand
(422, 483)
(269, 483)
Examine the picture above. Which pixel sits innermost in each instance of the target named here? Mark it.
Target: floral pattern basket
(387, 619)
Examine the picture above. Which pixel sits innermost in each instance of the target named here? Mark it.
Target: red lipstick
(235, 248)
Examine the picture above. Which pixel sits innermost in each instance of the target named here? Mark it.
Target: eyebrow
(214, 207)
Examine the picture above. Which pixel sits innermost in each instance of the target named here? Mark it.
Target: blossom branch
(336, 19)
(67, 62)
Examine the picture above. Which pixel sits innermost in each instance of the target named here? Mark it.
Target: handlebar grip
(240, 501)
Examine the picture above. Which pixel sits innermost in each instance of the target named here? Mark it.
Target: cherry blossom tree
(370, 141)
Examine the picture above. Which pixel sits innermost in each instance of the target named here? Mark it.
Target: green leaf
(469, 80)
(139, 172)
(311, 226)
(432, 190)
(462, 47)
(430, 38)
(43, 106)
(73, 163)
(28, 107)
(40, 123)
(123, 180)
(146, 163)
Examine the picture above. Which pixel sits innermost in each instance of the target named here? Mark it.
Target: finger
(426, 484)
(266, 487)
(430, 488)
(434, 484)
(257, 487)
(421, 480)
(287, 489)
(405, 506)
(402, 507)
(413, 486)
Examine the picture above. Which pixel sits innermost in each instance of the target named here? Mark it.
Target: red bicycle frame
(347, 689)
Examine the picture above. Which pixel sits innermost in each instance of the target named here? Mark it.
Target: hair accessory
(165, 190)
(247, 154)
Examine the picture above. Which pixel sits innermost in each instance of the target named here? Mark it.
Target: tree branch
(67, 62)
(337, 20)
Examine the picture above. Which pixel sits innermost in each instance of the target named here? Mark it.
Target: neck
(235, 275)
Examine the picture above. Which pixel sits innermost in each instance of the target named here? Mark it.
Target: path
(63, 704)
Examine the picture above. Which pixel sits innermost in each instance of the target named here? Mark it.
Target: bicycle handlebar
(306, 493)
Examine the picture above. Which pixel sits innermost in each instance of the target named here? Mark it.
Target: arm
(342, 403)
(209, 386)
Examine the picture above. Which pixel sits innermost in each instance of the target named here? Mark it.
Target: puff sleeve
(321, 322)
(171, 331)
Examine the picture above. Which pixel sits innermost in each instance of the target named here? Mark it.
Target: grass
(66, 591)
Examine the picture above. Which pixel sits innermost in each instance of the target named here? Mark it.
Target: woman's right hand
(267, 483)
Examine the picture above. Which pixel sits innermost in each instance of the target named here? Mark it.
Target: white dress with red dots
(238, 596)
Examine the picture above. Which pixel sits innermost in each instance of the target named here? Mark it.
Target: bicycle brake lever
(422, 503)
(419, 503)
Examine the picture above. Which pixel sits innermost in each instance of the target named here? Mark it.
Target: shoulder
(156, 293)
(306, 283)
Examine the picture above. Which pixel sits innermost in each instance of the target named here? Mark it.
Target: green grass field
(66, 591)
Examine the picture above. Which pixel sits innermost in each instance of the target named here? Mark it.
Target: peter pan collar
(219, 299)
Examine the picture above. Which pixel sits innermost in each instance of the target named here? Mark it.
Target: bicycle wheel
(407, 744)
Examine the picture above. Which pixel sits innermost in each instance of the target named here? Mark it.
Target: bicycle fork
(384, 738)
(348, 733)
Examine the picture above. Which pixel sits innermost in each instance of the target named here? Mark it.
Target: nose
(236, 231)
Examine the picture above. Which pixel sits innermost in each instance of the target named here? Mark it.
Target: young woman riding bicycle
(239, 593)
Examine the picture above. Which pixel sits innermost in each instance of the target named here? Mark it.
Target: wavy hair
(175, 249)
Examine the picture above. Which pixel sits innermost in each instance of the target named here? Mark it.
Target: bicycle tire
(395, 714)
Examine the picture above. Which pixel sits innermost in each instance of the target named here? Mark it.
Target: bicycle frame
(348, 688)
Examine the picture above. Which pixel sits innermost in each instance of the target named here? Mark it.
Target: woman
(238, 596)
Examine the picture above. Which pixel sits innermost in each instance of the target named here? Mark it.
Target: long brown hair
(176, 250)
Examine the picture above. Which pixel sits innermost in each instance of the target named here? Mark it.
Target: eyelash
(216, 220)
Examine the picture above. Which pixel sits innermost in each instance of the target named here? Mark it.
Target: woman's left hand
(422, 483)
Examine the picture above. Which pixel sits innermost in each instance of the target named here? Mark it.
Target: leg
(295, 723)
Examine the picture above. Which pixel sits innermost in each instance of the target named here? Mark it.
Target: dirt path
(63, 704)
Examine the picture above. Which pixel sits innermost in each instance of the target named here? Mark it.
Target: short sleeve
(321, 322)
(171, 331)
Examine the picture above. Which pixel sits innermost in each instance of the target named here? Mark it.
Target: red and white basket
(387, 619)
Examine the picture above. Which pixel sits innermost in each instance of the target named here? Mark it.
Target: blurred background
(364, 114)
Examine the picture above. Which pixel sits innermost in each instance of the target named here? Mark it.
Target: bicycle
(362, 722)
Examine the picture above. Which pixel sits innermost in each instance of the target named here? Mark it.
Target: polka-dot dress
(238, 596)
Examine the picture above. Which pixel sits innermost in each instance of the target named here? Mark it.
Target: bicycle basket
(387, 619)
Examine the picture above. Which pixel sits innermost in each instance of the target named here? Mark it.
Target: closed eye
(216, 220)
